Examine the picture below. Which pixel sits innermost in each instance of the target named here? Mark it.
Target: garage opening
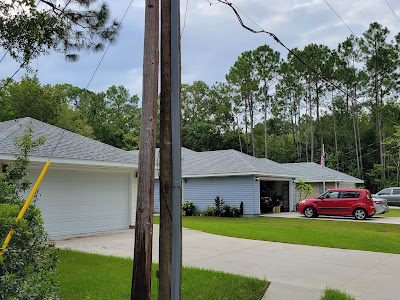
(274, 194)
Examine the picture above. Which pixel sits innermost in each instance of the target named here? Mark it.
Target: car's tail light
(378, 202)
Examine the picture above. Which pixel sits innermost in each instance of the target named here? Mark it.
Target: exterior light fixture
(256, 178)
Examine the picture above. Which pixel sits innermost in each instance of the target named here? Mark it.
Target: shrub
(235, 211)
(189, 208)
(210, 211)
(27, 267)
(218, 205)
(226, 211)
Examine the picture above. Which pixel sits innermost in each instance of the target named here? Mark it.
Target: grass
(92, 276)
(394, 213)
(335, 234)
(332, 294)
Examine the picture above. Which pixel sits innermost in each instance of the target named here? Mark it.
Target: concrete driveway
(296, 271)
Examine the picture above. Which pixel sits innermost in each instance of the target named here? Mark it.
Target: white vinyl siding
(134, 199)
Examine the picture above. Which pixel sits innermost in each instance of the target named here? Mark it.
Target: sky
(213, 39)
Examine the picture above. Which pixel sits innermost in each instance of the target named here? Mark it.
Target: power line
(392, 11)
(184, 20)
(87, 86)
(226, 2)
(339, 17)
(109, 44)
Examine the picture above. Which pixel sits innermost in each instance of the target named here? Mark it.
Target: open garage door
(274, 193)
(75, 202)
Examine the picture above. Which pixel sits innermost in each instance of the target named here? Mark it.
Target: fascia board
(79, 162)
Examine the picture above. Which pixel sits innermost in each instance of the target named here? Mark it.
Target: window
(332, 195)
(349, 194)
(385, 192)
(396, 191)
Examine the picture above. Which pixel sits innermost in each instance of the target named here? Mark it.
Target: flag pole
(323, 166)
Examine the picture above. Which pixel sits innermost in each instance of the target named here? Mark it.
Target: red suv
(339, 202)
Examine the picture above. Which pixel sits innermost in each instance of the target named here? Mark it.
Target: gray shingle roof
(71, 145)
(225, 162)
(228, 162)
(312, 172)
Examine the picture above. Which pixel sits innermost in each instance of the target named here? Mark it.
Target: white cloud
(213, 38)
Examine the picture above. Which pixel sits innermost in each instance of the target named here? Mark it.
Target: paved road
(296, 271)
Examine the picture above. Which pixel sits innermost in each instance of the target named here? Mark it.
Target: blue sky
(213, 39)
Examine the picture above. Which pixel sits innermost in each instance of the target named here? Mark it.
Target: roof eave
(259, 174)
(72, 161)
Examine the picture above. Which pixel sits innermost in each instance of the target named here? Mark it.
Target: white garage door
(346, 185)
(74, 202)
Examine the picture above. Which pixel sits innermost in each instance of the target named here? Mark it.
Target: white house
(92, 187)
(89, 187)
(313, 174)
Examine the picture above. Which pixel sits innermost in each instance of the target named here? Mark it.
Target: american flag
(322, 164)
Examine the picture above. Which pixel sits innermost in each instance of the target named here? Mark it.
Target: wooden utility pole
(141, 279)
(170, 155)
(165, 245)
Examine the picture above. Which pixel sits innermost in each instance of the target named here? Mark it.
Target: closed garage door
(74, 202)
(346, 185)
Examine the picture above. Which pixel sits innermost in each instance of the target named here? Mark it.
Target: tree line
(267, 106)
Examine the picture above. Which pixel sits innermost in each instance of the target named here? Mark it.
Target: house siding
(233, 190)
(134, 199)
(317, 190)
(157, 196)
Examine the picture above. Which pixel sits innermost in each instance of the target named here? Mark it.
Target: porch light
(5, 168)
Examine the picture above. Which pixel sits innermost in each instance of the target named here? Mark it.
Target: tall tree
(381, 60)
(29, 28)
(267, 66)
(243, 76)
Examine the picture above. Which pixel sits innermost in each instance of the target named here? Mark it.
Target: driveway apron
(296, 271)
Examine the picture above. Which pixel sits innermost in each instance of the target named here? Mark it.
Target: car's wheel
(360, 213)
(310, 212)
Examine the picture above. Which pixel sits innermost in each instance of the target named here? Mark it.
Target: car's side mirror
(321, 197)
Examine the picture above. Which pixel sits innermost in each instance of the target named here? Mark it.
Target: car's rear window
(350, 194)
(396, 191)
(385, 192)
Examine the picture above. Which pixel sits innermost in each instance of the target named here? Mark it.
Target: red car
(339, 202)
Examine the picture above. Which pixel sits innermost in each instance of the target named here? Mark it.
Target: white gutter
(71, 161)
(258, 174)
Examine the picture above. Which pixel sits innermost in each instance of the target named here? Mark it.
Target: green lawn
(392, 213)
(92, 276)
(335, 234)
(332, 294)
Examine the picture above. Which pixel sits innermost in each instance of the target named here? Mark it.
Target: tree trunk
(238, 128)
(355, 136)
(245, 121)
(299, 126)
(251, 110)
(305, 130)
(311, 125)
(379, 128)
(358, 134)
(335, 131)
(265, 118)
